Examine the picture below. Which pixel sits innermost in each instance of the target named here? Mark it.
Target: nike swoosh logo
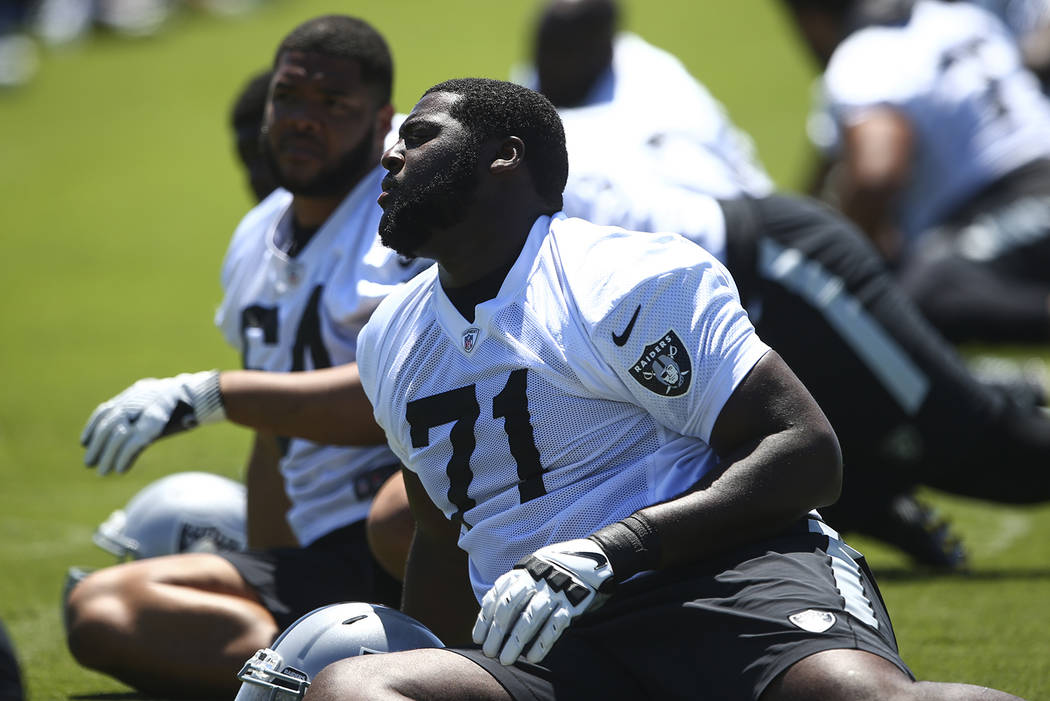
(599, 559)
(622, 338)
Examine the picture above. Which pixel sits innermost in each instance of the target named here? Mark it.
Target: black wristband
(632, 546)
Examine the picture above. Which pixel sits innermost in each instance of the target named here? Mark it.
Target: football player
(624, 471)
(302, 274)
(942, 139)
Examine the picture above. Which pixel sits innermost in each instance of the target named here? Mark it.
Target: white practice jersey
(586, 390)
(660, 109)
(1020, 16)
(304, 313)
(956, 73)
(617, 181)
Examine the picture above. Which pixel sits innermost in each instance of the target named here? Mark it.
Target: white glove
(118, 430)
(538, 599)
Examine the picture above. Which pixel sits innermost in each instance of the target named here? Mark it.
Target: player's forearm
(762, 491)
(268, 502)
(325, 406)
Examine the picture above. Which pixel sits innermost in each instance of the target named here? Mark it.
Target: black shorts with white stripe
(721, 630)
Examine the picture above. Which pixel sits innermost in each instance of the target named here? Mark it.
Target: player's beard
(335, 179)
(413, 212)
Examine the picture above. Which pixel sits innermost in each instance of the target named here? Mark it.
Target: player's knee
(843, 675)
(351, 679)
(96, 616)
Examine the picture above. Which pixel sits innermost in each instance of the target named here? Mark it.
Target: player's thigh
(205, 571)
(839, 675)
(432, 674)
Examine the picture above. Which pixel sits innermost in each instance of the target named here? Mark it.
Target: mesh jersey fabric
(303, 313)
(585, 390)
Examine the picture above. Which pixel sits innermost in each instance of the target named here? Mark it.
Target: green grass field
(118, 194)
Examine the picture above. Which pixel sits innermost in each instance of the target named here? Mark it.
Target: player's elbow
(825, 461)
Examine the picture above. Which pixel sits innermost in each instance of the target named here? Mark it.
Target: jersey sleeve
(680, 342)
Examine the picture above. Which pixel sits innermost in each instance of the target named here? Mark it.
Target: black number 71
(460, 408)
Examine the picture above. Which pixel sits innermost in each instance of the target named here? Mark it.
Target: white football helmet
(183, 512)
(321, 637)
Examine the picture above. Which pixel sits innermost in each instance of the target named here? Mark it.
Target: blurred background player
(815, 290)
(303, 272)
(1029, 22)
(581, 59)
(942, 141)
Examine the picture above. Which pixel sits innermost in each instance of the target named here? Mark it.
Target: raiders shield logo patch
(664, 366)
(470, 338)
(812, 620)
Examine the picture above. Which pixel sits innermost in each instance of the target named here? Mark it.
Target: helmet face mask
(266, 678)
(284, 671)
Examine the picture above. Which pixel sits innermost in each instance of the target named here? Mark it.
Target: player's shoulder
(604, 264)
(260, 217)
(402, 304)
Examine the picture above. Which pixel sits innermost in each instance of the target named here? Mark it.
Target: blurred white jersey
(1019, 16)
(956, 73)
(661, 109)
(302, 313)
(586, 390)
(617, 181)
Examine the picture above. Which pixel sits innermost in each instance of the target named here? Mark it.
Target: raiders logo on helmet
(664, 366)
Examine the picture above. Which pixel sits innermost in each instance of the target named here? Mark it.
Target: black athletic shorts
(983, 274)
(721, 630)
(337, 567)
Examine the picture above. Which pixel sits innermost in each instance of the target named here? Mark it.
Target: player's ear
(509, 156)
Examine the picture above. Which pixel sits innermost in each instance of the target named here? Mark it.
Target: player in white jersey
(944, 145)
(1029, 22)
(583, 61)
(630, 470)
(302, 274)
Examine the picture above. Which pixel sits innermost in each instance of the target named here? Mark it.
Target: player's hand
(118, 430)
(530, 606)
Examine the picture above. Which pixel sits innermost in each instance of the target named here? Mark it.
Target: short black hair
(250, 105)
(597, 16)
(496, 109)
(350, 38)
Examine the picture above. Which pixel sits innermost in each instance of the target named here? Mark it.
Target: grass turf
(120, 191)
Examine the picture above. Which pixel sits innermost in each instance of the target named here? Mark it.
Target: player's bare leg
(434, 675)
(855, 675)
(180, 625)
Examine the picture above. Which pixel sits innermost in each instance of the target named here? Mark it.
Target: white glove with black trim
(530, 606)
(119, 429)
